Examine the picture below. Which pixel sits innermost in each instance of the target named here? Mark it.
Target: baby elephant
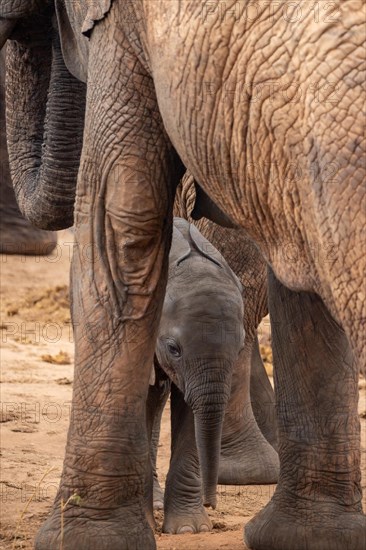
(199, 342)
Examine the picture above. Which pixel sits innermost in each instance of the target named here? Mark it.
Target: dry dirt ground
(37, 373)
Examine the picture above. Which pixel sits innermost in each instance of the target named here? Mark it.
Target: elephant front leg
(183, 505)
(118, 278)
(123, 219)
(317, 503)
(246, 455)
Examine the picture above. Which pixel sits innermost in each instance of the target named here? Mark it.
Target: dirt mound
(49, 304)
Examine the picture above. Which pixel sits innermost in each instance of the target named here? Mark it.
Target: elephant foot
(249, 460)
(158, 495)
(18, 236)
(124, 528)
(306, 525)
(189, 521)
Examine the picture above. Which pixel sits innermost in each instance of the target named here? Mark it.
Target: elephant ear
(188, 240)
(180, 248)
(206, 249)
(96, 11)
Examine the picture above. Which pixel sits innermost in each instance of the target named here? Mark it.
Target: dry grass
(24, 511)
(60, 358)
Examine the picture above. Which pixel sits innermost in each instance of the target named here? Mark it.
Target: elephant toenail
(185, 529)
(204, 528)
(158, 505)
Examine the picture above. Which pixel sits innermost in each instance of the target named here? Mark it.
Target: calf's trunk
(207, 392)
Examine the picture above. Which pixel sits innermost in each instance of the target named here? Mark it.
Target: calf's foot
(188, 520)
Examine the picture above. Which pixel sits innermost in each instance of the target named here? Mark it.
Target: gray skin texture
(248, 264)
(200, 347)
(166, 81)
(17, 235)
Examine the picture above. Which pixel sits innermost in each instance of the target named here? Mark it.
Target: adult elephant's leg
(262, 397)
(123, 218)
(246, 456)
(158, 395)
(183, 505)
(317, 503)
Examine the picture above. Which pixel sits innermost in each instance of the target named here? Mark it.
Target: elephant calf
(200, 340)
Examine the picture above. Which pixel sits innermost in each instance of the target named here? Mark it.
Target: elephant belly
(246, 103)
(214, 87)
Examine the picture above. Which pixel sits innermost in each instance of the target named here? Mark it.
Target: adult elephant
(17, 235)
(167, 78)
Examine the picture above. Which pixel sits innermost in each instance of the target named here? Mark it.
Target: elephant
(262, 108)
(248, 264)
(200, 342)
(17, 235)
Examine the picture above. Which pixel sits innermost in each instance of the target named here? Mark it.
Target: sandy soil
(37, 373)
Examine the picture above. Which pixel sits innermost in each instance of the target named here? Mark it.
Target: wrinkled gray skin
(200, 346)
(248, 264)
(169, 84)
(17, 235)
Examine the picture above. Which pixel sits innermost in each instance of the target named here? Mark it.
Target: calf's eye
(174, 348)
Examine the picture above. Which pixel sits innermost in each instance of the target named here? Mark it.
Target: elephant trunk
(45, 120)
(208, 399)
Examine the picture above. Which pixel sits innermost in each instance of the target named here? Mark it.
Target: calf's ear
(180, 248)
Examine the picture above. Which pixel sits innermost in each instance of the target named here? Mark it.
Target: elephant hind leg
(246, 455)
(317, 502)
